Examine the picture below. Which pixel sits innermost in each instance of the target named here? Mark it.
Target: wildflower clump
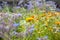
(35, 25)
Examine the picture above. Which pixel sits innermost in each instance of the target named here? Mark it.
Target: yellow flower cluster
(58, 23)
(29, 19)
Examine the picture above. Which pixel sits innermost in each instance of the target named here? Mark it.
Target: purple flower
(16, 24)
(30, 6)
(7, 29)
(50, 3)
(38, 3)
(31, 29)
(14, 33)
(19, 14)
(17, 7)
(46, 37)
(1, 27)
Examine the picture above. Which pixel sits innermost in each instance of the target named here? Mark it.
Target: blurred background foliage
(29, 4)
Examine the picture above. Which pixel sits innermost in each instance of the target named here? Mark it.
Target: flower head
(16, 24)
(29, 19)
(58, 23)
(50, 29)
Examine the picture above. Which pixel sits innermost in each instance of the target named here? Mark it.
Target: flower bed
(31, 25)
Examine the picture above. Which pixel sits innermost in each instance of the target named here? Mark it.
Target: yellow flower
(29, 19)
(49, 12)
(50, 29)
(46, 23)
(57, 13)
(57, 23)
(32, 16)
(47, 18)
(43, 15)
